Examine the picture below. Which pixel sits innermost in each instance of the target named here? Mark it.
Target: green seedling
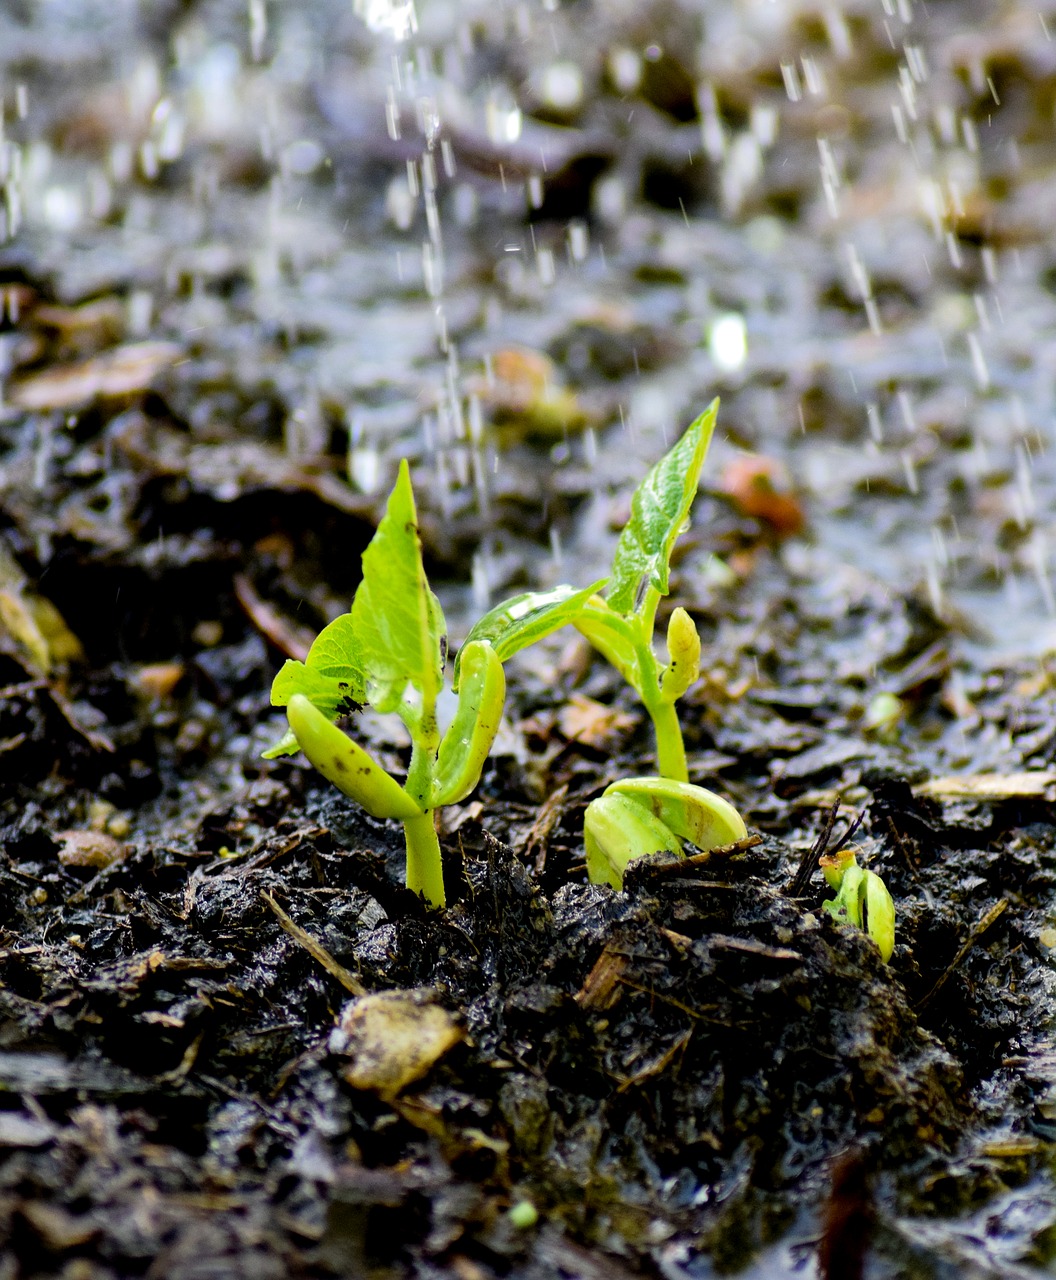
(861, 899)
(639, 816)
(621, 625)
(389, 652)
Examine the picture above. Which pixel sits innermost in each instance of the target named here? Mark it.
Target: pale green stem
(670, 749)
(425, 871)
(425, 739)
(646, 615)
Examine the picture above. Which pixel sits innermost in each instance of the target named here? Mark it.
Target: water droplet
(394, 18)
(728, 341)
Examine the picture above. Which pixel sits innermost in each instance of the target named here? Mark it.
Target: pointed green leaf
(610, 633)
(524, 619)
(330, 677)
(659, 510)
(287, 745)
(398, 622)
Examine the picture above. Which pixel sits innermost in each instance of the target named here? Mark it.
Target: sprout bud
(683, 651)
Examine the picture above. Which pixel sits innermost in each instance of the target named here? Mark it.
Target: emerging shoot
(388, 651)
(862, 899)
(639, 816)
(621, 625)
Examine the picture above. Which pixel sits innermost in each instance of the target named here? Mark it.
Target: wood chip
(601, 989)
(1039, 783)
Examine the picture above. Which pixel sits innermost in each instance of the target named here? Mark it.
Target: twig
(810, 862)
(288, 637)
(811, 858)
(978, 929)
(542, 827)
(315, 949)
(659, 866)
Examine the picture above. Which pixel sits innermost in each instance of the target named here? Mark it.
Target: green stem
(425, 739)
(646, 614)
(670, 749)
(425, 872)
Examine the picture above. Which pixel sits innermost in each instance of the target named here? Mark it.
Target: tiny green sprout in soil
(862, 899)
(388, 652)
(639, 816)
(620, 624)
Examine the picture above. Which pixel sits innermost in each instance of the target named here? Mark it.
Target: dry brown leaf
(157, 679)
(583, 720)
(761, 487)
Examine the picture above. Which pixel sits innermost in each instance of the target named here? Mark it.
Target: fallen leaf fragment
(41, 638)
(124, 371)
(157, 679)
(101, 317)
(761, 487)
(393, 1038)
(59, 1230)
(592, 723)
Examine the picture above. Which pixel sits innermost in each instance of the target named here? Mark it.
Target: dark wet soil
(225, 316)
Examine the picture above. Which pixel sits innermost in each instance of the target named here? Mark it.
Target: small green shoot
(621, 625)
(639, 816)
(388, 652)
(862, 899)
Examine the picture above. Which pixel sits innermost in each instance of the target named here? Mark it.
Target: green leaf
(330, 678)
(524, 619)
(287, 745)
(610, 633)
(659, 511)
(398, 622)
